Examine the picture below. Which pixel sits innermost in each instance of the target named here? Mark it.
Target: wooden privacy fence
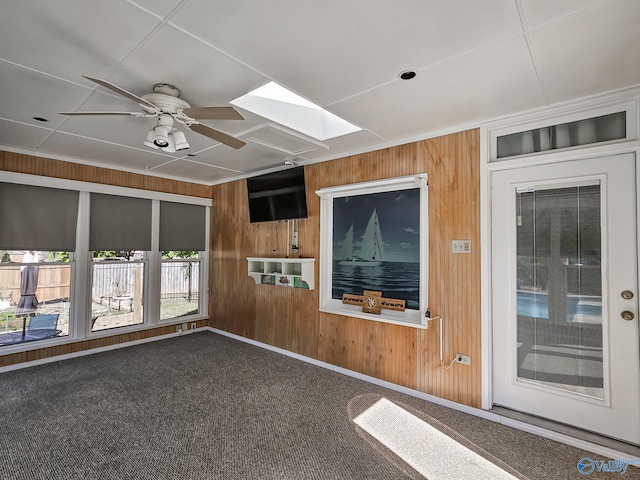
(54, 282)
(180, 280)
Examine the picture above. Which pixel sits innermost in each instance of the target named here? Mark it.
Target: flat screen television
(277, 196)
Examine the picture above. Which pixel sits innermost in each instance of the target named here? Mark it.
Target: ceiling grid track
(532, 54)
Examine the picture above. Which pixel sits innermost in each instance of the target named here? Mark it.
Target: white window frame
(413, 318)
(201, 289)
(81, 273)
(145, 291)
(558, 116)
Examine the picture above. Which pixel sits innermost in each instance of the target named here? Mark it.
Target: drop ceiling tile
(470, 88)
(102, 153)
(204, 76)
(326, 51)
(71, 37)
(187, 170)
(27, 93)
(246, 159)
(353, 143)
(22, 136)
(538, 12)
(580, 56)
(282, 139)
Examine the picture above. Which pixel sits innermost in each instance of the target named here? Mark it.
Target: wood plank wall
(18, 163)
(289, 318)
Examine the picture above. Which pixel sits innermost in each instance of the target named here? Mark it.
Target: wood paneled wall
(18, 163)
(289, 318)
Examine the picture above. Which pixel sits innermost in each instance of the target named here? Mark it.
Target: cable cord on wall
(446, 367)
(288, 236)
(275, 227)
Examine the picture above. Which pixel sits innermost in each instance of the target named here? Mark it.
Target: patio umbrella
(28, 285)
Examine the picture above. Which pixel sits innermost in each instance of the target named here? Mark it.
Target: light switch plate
(460, 246)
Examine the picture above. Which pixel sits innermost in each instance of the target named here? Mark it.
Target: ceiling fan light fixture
(161, 136)
(171, 145)
(180, 140)
(165, 104)
(149, 141)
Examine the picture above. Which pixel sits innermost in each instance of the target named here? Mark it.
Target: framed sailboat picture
(374, 238)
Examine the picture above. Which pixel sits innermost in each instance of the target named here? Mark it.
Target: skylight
(276, 103)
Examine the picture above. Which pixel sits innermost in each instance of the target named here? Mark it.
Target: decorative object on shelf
(372, 302)
(268, 279)
(299, 283)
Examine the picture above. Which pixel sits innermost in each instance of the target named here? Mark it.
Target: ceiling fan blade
(134, 114)
(217, 135)
(213, 113)
(123, 92)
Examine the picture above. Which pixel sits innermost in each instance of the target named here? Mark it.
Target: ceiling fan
(165, 104)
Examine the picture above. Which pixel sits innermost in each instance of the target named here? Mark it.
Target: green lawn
(177, 309)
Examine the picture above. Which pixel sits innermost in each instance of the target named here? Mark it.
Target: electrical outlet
(178, 329)
(463, 359)
(193, 326)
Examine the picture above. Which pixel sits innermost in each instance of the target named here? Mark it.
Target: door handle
(627, 315)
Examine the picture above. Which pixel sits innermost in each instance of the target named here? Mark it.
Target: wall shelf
(284, 272)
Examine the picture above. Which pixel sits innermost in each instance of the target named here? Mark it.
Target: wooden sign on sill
(372, 302)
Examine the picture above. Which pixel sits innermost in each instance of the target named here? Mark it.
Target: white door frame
(628, 99)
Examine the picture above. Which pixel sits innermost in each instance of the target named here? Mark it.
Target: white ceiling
(476, 60)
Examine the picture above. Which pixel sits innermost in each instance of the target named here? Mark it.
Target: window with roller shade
(120, 230)
(182, 241)
(37, 240)
(85, 259)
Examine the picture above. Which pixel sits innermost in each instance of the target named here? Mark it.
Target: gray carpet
(203, 406)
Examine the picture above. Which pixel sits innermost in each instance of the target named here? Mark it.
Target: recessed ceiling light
(407, 75)
(41, 119)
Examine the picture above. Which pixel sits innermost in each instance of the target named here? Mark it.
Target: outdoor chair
(42, 322)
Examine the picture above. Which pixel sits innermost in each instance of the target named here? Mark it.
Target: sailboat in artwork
(371, 252)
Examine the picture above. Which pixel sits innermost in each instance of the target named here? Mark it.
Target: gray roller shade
(119, 223)
(182, 226)
(37, 218)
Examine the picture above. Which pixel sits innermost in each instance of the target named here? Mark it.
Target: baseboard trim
(519, 425)
(91, 351)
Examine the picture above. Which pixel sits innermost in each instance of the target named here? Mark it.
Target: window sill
(409, 318)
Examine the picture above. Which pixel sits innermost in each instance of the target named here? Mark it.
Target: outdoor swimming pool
(536, 304)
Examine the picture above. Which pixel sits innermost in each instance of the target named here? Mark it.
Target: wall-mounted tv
(277, 196)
